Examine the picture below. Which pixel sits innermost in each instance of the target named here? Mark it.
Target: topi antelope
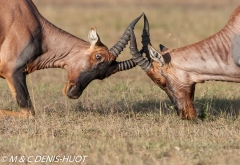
(28, 42)
(177, 71)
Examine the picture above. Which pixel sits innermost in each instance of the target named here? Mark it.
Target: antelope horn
(146, 38)
(126, 65)
(123, 41)
(137, 57)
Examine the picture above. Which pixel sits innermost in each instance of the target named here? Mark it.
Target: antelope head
(158, 67)
(101, 62)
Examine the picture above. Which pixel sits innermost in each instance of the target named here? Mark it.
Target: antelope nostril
(71, 91)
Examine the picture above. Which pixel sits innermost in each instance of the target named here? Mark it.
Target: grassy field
(126, 119)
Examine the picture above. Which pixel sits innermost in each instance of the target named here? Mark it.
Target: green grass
(126, 119)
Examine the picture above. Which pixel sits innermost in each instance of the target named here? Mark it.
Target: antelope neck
(57, 46)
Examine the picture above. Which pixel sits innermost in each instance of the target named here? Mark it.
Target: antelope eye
(158, 80)
(98, 57)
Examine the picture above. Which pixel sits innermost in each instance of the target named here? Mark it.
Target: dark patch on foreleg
(22, 95)
(31, 51)
(17, 85)
(17, 80)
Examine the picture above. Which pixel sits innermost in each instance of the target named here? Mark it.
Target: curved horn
(129, 64)
(123, 41)
(126, 65)
(137, 57)
(146, 37)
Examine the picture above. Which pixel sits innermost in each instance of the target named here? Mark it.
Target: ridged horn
(126, 65)
(137, 57)
(123, 41)
(146, 38)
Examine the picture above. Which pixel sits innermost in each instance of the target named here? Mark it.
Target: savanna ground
(126, 119)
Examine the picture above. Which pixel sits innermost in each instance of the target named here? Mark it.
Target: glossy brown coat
(29, 42)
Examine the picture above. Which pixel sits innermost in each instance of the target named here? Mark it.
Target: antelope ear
(156, 56)
(93, 38)
(163, 48)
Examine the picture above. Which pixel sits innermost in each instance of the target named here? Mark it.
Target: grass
(126, 119)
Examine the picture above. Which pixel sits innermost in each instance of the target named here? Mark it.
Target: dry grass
(126, 119)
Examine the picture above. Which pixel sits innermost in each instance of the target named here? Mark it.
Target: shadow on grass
(212, 107)
(142, 107)
(151, 106)
(218, 107)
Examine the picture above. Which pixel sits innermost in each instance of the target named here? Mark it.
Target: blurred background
(126, 119)
(173, 23)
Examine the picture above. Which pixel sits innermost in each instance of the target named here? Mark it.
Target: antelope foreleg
(23, 113)
(18, 87)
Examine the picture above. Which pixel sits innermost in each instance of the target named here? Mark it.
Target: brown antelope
(28, 42)
(177, 71)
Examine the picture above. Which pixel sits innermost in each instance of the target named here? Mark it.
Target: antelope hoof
(22, 113)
